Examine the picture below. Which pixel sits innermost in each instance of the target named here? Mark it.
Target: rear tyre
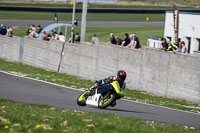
(106, 100)
(81, 100)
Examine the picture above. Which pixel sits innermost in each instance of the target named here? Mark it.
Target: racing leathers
(110, 80)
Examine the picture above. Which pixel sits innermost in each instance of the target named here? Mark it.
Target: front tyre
(106, 100)
(81, 100)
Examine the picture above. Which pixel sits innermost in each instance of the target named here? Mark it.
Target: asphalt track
(27, 90)
(25, 23)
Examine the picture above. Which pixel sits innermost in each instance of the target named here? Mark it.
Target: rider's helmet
(121, 75)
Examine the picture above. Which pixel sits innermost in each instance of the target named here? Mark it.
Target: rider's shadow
(128, 111)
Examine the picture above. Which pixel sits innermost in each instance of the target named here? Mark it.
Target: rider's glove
(95, 86)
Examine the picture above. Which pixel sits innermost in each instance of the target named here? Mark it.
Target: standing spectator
(1, 27)
(4, 31)
(9, 31)
(112, 39)
(118, 40)
(126, 40)
(183, 47)
(77, 37)
(39, 29)
(95, 39)
(137, 45)
(61, 37)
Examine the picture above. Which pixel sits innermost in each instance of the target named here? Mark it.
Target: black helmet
(121, 75)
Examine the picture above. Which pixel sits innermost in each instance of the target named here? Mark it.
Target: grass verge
(141, 32)
(76, 82)
(18, 117)
(130, 17)
(123, 4)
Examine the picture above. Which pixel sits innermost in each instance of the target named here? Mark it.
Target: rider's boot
(114, 103)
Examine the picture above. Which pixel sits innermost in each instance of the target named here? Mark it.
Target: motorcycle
(102, 96)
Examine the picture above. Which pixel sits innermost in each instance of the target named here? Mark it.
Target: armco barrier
(151, 70)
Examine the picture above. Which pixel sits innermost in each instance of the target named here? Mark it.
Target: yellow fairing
(117, 88)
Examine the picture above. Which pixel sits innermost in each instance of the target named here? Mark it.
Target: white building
(189, 29)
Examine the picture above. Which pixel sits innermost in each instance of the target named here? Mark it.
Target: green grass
(164, 4)
(19, 15)
(141, 32)
(26, 118)
(76, 82)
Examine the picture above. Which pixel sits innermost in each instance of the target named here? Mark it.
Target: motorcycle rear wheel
(105, 100)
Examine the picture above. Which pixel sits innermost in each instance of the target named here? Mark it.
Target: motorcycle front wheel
(106, 99)
(81, 100)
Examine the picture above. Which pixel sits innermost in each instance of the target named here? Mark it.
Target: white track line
(83, 90)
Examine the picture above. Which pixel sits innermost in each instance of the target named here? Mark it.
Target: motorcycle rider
(121, 76)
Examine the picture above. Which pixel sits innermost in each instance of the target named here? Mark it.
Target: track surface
(89, 23)
(32, 91)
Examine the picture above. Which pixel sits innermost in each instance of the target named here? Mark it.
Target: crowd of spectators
(129, 41)
(6, 31)
(168, 45)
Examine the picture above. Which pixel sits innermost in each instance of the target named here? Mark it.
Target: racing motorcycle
(102, 96)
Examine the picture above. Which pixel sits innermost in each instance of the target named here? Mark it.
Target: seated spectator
(118, 40)
(61, 37)
(39, 29)
(1, 27)
(46, 36)
(183, 47)
(9, 31)
(77, 37)
(4, 31)
(164, 44)
(112, 39)
(171, 46)
(52, 33)
(33, 34)
(126, 40)
(55, 36)
(137, 45)
(33, 28)
(132, 44)
(95, 39)
(29, 30)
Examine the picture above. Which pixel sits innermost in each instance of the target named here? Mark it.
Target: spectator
(39, 29)
(171, 46)
(118, 40)
(55, 37)
(1, 27)
(164, 44)
(33, 28)
(46, 36)
(95, 39)
(112, 39)
(126, 40)
(29, 30)
(52, 33)
(9, 31)
(61, 37)
(137, 45)
(183, 47)
(33, 34)
(132, 44)
(4, 31)
(77, 37)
